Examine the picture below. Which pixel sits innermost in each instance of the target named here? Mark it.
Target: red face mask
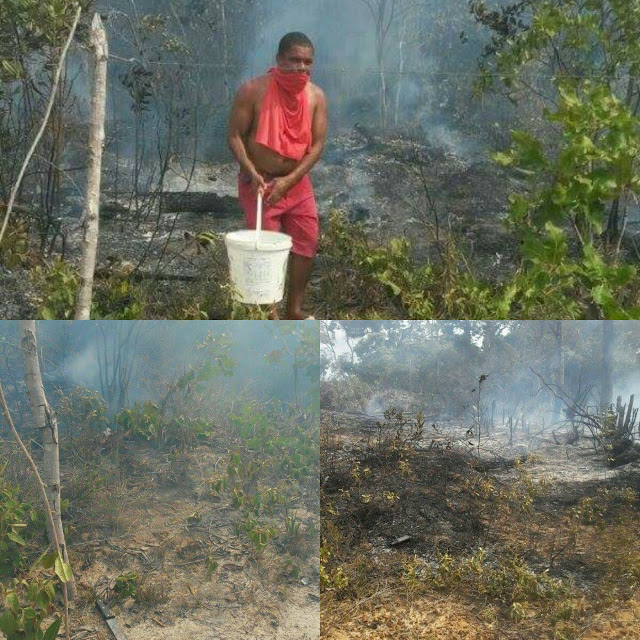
(290, 82)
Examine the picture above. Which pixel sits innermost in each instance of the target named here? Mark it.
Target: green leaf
(8, 623)
(63, 570)
(503, 159)
(519, 205)
(14, 537)
(49, 560)
(47, 314)
(13, 602)
(52, 631)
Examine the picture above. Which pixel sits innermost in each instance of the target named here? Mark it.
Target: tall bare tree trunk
(401, 43)
(559, 363)
(90, 225)
(225, 50)
(382, 82)
(45, 420)
(606, 387)
(383, 13)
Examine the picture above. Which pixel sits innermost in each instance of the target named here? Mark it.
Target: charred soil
(428, 539)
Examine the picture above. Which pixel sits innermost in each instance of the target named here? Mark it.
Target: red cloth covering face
(285, 118)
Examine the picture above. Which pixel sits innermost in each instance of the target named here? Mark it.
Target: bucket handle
(258, 220)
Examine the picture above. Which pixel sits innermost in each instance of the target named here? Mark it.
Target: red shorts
(295, 214)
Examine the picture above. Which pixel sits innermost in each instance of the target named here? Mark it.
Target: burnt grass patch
(428, 505)
(407, 523)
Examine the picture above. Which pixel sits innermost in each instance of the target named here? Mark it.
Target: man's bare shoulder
(252, 89)
(317, 94)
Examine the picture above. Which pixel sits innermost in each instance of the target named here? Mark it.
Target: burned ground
(380, 183)
(542, 545)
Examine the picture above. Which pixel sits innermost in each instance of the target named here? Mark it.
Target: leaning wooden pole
(46, 422)
(90, 226)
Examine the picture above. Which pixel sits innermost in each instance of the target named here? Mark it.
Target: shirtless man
(277, 131)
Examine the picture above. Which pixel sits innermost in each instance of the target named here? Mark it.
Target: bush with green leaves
(58, 285)
(28, 603)
(142, 421)
(581, 179)
(82, 411)
(549, 283)
(27, 593)
(114, 298)
(30, 600)
(14, 515)
(182, 416)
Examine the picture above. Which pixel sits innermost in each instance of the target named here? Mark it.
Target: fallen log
(200, 202)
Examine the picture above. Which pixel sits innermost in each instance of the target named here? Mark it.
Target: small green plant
(14, 247)
(258, 533)
(291, 569)
(59, 286)
(143, 421)
(13, 517)
(118, 298)
(28, 603)
(218, 484)
(127, 585)
(30, 600)
(211, 565)
(291, 525)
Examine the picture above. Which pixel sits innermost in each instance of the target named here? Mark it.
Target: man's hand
(277, 188)
(258, 183)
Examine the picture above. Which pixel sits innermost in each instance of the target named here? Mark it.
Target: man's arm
(239, 127)
(278, 187)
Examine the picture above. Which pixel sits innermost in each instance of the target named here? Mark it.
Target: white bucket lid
(245, 240)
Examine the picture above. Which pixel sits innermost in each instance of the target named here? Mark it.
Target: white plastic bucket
(258, 263)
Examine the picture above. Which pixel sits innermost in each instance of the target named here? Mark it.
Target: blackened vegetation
(407, 490)
(494, 535)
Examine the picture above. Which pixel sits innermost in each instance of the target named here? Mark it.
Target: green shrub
(114, 298)
(13, 521)
(59, 286)
(550, 281)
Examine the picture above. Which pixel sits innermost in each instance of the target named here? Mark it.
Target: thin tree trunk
(43, 126)
(401, 42)
(225, 51)
(383, 88)
(606, 388)
(45, 420)
(560, 364)
(90, 225)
